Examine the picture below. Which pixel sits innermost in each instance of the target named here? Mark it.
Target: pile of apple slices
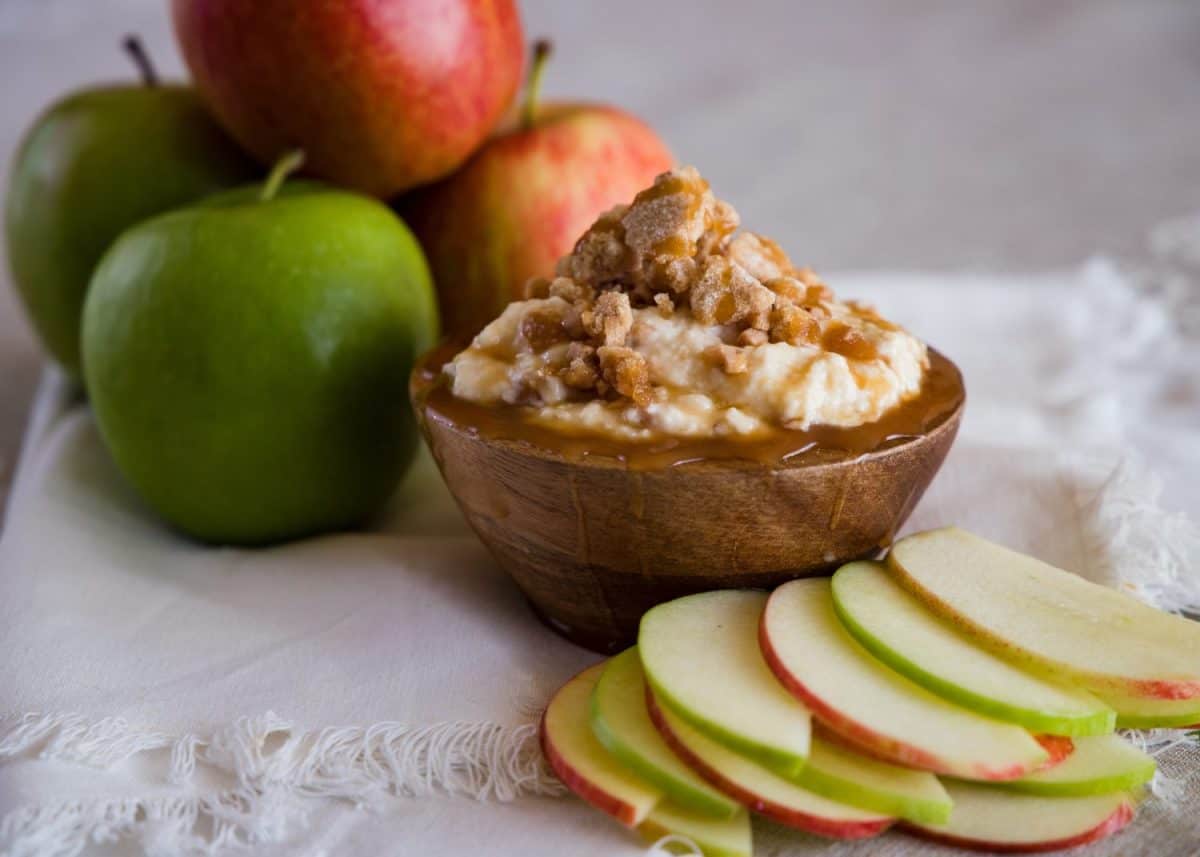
(962, 692)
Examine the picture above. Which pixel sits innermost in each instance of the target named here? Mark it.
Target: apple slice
(716, 837)
(702, 659)
(894, 626)
(987, 818)
(844, 775)
(1050, 619)
(583, 765)
(870, 705)
(621, 723)
(764, 792)
(1139, 712)
(1101, 764)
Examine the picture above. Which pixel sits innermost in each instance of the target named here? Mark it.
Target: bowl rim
(421, 383)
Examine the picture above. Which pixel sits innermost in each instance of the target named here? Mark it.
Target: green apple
(1050, 620)
(580, 760)
(894, 626)
(622, 725)
(248, 359)
(987, 818)
(875, 708)
(702, 660)
(94, 164)
(1100, 764)
(716, 837)
(769, 794)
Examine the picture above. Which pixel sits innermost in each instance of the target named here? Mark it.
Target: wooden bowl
(593, 543)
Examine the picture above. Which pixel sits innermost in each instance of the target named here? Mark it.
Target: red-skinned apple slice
(896, 628)
(861, 699)
(622, 724)
(583, 765)
(701, 656)
(1139, 712)
(716, 837)
(1100, 764)
(1049, 619)
(764, 792)
(987, 818)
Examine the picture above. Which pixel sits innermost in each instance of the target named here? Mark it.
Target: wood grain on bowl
(596, 533)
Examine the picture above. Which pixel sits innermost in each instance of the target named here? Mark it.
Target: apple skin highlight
(581, 786)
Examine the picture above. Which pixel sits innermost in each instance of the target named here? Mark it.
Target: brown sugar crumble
(673, 249)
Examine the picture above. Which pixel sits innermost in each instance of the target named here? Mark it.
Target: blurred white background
(927, 134)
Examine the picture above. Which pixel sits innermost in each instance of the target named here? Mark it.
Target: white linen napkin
(163, 698)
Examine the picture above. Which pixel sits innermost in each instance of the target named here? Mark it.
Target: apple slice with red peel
(987, 818)
(900, 631)
(701, 657)
(1139, 712)
(583, 765)
(842, 774)
(858, 697)
(764, 792)
(716, 837)
(621, 723)
(1054, 621)
(1100, 764)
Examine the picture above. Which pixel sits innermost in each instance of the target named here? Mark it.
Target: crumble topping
(663, 321)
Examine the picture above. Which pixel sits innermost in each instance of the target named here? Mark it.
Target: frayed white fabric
(275, 767)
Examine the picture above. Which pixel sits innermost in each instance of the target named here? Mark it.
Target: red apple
(523, 200)
(382, 95)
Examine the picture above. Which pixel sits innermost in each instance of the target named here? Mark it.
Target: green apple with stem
(898, 630)
(94, 164)
(248, 359)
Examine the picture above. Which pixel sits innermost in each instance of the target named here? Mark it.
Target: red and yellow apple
(382, 95)
(525, 197)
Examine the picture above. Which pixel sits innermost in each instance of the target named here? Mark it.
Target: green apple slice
(987, 818)
(894, 626)
(621, 723)
(867, 703)
(1100, 764)
(583, 765)
(702, 659)
(1055, 621)
(767, 793)
(841, 774)
(716, 837)
(1139, 712)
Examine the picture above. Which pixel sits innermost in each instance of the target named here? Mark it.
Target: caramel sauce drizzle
(942, 393)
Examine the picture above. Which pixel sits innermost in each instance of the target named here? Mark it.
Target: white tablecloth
(376, 693)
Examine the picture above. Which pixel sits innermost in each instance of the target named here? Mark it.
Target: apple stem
(284, 167)
(137, 52)
(533, 85)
